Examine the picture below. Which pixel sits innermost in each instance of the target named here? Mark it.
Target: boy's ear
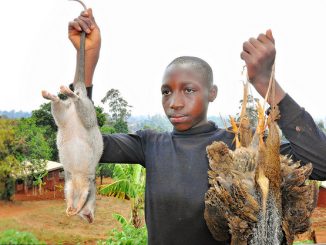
(212, 93)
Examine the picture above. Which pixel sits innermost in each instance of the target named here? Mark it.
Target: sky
(140, 38)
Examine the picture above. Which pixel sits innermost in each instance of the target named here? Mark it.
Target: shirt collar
(208, 127)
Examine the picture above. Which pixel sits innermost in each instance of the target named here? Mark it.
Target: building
(53, 179)
(55, 175)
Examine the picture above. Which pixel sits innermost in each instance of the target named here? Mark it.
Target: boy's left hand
(259, 55)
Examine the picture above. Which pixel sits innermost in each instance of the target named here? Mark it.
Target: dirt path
(48, 222)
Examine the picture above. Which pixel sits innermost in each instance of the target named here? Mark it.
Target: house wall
(54, 178)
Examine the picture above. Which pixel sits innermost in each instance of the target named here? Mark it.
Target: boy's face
(185, 97)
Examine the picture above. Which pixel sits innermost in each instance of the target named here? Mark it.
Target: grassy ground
(47, 220)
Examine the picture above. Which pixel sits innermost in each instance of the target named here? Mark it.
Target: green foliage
(105, 170)
(101, 116)
(304, 242)
(23, 149)
(129, 182)
(119, 110)
(118, 107)
(13, 237)
(120, 126)
(9, 165)
(106, 129)
(8, 189)
(32, 144)
(44, 119)
(129, 235)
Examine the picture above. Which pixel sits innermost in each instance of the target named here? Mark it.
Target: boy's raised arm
(86, 22)
(306, 142)
(259, 56)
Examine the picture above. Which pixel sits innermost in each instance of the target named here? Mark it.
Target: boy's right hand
(85, 22)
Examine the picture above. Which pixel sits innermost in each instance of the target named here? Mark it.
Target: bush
(129, 235)
(14, 237)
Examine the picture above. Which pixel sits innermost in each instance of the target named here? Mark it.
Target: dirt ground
(45, 217)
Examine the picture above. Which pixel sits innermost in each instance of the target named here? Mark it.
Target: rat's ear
(212, 93)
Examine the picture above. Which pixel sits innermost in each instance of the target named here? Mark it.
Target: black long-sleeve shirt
(176, 170)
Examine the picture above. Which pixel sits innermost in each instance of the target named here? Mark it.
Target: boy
(176, 162)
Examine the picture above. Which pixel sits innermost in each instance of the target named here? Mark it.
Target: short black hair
(198, 64)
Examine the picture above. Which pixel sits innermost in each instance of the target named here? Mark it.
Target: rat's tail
(79, 84)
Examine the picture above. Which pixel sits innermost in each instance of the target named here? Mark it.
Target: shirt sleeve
(306, 142)
(123, 148)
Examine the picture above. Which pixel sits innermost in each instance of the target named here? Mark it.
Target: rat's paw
(48, 96)
(70, 211)
(67, 91)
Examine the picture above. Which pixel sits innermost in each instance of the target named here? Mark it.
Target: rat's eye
(189, 90)
(165, 92)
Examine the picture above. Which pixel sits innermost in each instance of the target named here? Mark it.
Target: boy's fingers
(255, 42)
(269, 35)
(83, 25)
(249, 47)
(90, 12)
(263, 38)
(88, 21)
(74, 25)
(245, 56)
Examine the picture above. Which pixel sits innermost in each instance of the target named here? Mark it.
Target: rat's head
(187, 89)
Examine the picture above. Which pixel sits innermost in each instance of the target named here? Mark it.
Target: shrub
(129, 235)
(13, 237)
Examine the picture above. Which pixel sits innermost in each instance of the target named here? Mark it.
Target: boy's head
(187, 88)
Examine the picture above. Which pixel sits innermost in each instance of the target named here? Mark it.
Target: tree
(119, 110)
(32, 149)
(9, 165)
(101, 116)
(44, 119)
(251, 110)
(104, 170)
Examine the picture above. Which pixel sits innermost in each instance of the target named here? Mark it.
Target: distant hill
(161, 124)
(15, 114)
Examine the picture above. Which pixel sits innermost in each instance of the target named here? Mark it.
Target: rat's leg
(67, 91)
(69, 193)
(48, 96)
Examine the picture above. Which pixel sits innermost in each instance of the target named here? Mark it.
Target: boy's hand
(85, 22)
(259, 55)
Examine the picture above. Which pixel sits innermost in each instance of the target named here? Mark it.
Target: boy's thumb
(269, 35)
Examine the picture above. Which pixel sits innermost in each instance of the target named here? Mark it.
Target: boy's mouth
(178, 118)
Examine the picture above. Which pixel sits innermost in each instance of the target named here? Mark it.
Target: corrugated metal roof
(323, 184)
(51, 166)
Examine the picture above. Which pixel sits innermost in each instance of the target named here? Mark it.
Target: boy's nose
(176, 102)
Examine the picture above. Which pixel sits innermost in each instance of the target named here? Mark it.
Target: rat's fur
(79, 141)
(80, 147)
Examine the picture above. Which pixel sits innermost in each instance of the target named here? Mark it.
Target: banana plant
(129, 184)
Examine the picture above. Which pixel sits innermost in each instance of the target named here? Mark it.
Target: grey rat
(79, 142)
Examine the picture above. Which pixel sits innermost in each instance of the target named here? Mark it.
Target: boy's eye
(189, 90)
(166, 92)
